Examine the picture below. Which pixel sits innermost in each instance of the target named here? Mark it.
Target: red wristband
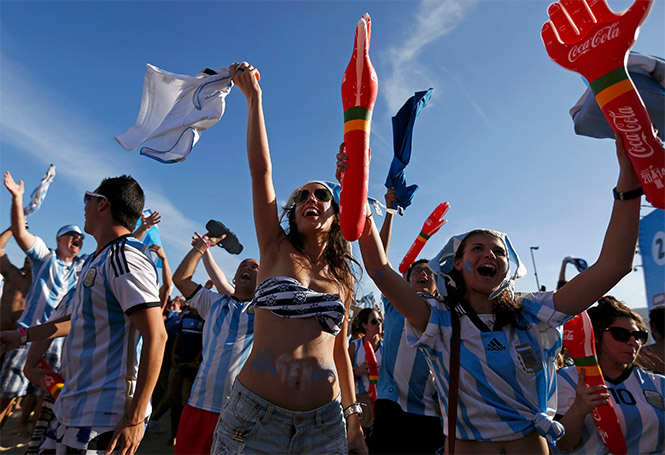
(132, 423)
(23, 334)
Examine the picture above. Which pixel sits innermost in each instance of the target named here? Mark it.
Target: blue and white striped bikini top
(286, 297)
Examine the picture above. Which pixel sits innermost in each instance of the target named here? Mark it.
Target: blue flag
(652, 249)
(403, 123)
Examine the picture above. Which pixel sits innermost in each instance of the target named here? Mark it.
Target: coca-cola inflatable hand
(431, 227)
(579, 340)
(585, 36)
(359, 90)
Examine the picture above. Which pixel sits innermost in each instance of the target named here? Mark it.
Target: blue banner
(652, 249)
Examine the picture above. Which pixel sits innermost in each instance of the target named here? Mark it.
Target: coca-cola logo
(568, 335)
(602, 36)
(635, 141)
(48, 381)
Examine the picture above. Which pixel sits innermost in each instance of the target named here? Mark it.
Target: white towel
(175, 109)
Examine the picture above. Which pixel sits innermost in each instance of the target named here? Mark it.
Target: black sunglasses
(376, 321)
(321, 194)
(623, 335)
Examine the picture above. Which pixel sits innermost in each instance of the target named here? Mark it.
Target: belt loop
(266, 417)
(319, 418)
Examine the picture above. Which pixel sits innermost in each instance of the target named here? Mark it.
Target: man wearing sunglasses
(54, 274)
(115, 333)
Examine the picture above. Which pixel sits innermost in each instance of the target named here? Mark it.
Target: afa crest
(529, 358)
(89, 280)
(655, 399)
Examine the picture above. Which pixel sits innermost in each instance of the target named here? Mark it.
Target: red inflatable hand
(431, 227)
(372, 366)
(579, 340)
(585, 36)
(359, 90)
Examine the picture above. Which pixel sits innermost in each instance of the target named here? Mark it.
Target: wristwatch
(355, 408)
(626, 195)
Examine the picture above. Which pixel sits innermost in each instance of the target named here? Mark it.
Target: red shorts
(195, 431)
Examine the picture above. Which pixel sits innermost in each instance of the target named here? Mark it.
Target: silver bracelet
(355, 408)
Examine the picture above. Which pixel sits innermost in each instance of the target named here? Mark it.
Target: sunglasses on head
(321, 194)
(623, 335)
(89, 194)
(376, 321)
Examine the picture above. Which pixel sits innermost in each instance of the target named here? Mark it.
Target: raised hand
(151, 220)
(16, 189)
(158, 250)
(585, 36)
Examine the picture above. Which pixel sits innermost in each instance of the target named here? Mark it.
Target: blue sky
(496, 139)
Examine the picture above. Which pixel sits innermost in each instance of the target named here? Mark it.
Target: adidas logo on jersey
(494, 345)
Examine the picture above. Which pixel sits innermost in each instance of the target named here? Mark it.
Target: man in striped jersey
(115, 333)
(228, 334)
(54, 274)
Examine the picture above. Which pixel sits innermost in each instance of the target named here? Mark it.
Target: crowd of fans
(282, 359)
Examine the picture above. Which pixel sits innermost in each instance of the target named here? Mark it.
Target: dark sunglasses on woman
(376, 321)
(623, 335)
(321, 194)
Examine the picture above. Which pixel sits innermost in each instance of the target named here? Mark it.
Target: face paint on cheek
(468, 267)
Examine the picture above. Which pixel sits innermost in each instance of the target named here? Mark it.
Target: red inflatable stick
(431, 227)
(579, 340)
(373, 368)
(585, 36)
(359, 89)
(53, 382)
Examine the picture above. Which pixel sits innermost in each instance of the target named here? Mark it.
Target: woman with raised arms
(507, 378)
(296, 387)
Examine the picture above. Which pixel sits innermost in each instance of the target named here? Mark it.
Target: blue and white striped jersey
(52, 279)
(507, 378)
(359, 357)
(101, 353)
(228, 334)
(638, 397)
(404, 375)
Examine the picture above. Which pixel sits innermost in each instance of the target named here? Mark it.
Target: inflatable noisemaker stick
(585, 36)
(373, 369)
(431, 227)
(579, 340)
(359, 90)
(52, 380)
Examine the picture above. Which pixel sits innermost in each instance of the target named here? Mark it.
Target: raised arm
(24, 239)
(214, 272)
(395, 288)
(266, 218)
(6, 267)
(617, 252)
(387, 228)
(185, 271)
(167, 279)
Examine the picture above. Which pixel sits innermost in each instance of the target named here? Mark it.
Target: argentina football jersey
(507, 377)
(101, 352)
(228, 334)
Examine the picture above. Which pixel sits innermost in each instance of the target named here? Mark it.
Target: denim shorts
(249, 424)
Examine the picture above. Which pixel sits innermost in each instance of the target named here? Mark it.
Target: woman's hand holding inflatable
(579, 340)
(585, 36)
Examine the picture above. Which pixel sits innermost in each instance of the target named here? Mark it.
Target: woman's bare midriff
(531, 444)
(291, 363)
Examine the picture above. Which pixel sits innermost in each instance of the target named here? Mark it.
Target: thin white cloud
(434, 20)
